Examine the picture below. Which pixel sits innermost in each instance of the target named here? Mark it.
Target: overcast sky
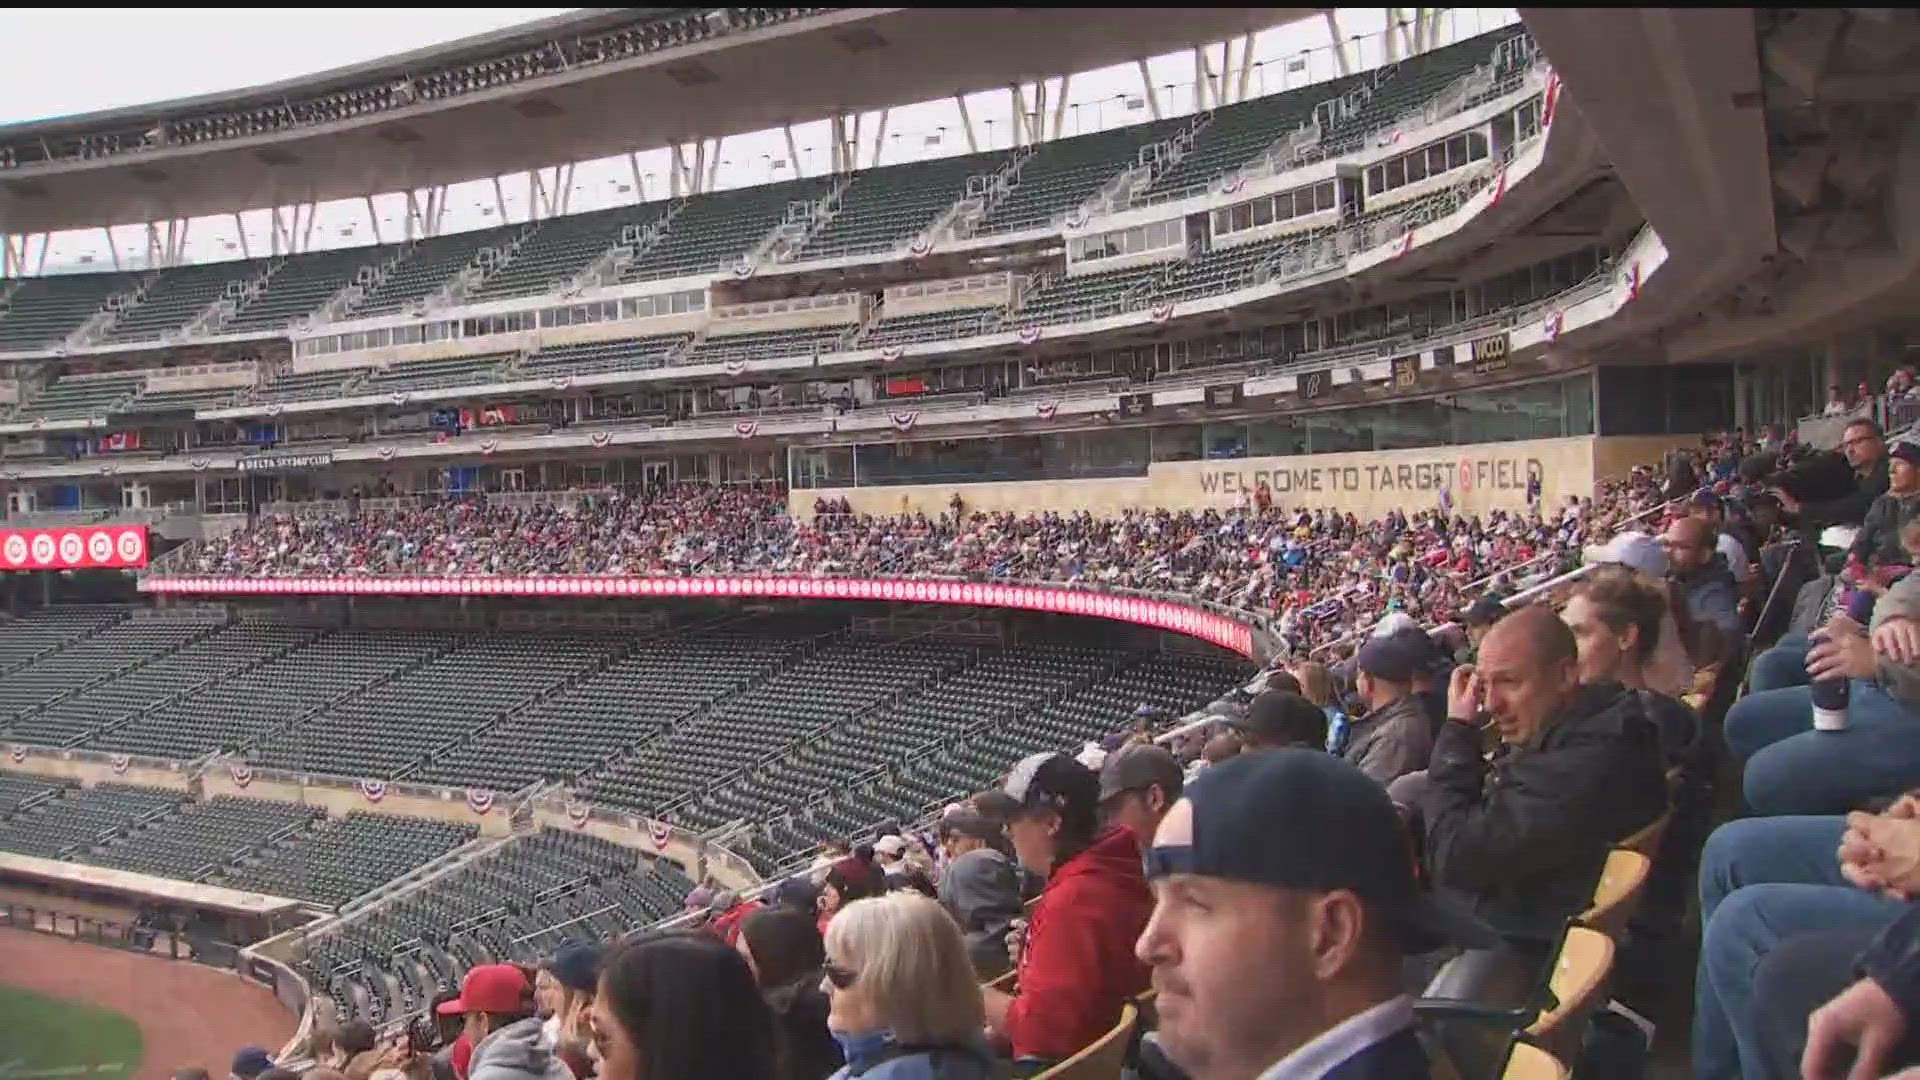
(60, 62)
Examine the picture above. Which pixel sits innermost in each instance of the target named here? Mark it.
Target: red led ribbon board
(1161, 614)
(83, 547)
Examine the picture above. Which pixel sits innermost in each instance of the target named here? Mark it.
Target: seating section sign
(82, 547)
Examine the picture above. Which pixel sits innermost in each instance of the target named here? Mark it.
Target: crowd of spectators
(1315, 576)
(1243, 892)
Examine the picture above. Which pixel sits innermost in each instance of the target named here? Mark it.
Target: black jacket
(1879, 541)
(803, 1048)
(1521, 837)
(1851, 507)
(1893, 961)
(1401, 1057)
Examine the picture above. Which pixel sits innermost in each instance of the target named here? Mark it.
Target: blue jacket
(885, 1061)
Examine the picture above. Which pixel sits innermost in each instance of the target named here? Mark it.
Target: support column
(793, 154)
(1199, 79)
(713, 166)
(673, 170)
(1146, 89)
(306, 234)
(1017, 102)
(837, 134)
(373, 217)
(413, 214)
(1246, 65)
(880, 136)
(639, 185)
(966, 124)
(698, 175)
(535, 192)
(13, 255)
(1339, 42)
(1389, 44)
(566, 189)
(46, 244)
(154, 254)
(1060, 106)
(240, 230)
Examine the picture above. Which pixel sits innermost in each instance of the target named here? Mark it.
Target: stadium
(475, 575)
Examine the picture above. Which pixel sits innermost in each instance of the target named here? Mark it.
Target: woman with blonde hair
(903, 1003)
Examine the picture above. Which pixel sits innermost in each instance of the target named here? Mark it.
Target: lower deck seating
(517, 902)
(195, 843)
(84, 817)
(347, 857)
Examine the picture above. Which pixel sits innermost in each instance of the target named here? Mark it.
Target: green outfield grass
(43, 1033)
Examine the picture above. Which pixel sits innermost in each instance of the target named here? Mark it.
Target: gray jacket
(517, 1052)
(1901, 601)
(981, 889)
(1393, 741)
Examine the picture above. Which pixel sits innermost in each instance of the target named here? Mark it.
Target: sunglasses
(841, 978)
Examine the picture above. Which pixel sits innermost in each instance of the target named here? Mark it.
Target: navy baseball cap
(1341, 832)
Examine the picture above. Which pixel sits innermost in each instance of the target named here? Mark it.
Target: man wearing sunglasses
(1285, 902)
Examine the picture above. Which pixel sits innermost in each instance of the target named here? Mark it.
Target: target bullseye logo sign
(82, 548)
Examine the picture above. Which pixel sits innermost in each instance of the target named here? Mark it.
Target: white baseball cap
(1632, 549)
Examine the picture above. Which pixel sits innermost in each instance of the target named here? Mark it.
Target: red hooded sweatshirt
(1078, 967)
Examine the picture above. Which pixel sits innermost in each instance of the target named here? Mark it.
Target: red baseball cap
(490, 988)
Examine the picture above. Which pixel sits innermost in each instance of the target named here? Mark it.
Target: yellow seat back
(1105, 1059)
(1579, 974)
(1529, 1062)
(1622, 880)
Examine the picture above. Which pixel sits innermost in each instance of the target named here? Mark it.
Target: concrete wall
(339, 800)
(632, 833)
(1480, 478)
(89, 773)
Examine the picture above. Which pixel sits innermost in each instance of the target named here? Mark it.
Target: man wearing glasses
(1866, 451)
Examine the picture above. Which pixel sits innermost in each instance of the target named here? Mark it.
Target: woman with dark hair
(1616, 618)
(855, 877)
(680, 1005)
(783, 948)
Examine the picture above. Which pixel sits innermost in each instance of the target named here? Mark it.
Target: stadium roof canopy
(843, 61)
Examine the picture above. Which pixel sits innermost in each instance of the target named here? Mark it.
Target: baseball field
(51, 1037)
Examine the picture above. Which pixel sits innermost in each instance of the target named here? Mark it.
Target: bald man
(1701, 574)
(1578, 768)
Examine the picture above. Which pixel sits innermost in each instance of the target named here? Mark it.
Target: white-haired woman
(904, 1003)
